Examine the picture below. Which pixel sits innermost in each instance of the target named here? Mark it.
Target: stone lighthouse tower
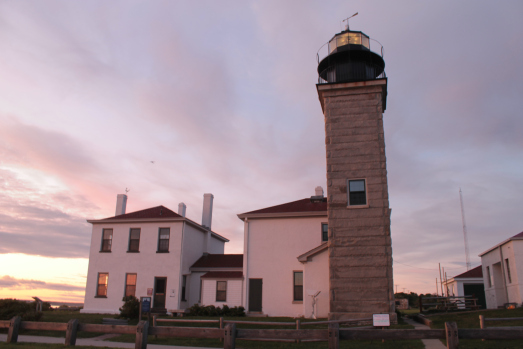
(352, 89)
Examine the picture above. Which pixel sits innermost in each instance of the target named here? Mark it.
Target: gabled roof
(476, 272)
(148, 213)
(222, 275)
(219, 261)
(515, 237)
(303, 207)
(318, 249)
(153, 214)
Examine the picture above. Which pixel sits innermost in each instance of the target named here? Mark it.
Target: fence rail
(230, 333)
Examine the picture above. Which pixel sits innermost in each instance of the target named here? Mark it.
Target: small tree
(131, 308)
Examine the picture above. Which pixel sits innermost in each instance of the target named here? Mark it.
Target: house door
(255, 295)
(160, 286)
(478, 291)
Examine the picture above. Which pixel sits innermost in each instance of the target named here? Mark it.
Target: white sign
(380, 320)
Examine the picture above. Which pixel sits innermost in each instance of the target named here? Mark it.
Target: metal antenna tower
(464, 230)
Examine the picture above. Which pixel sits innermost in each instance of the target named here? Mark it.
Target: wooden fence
(448, 303)
(230, 333)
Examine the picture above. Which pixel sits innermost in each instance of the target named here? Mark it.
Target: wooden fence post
(221, 327)
(70, 333)
(451, 331)
(298, 325)
(334, 336)
(154, 324)
(229, 340)
(14, 326)
(142, 329)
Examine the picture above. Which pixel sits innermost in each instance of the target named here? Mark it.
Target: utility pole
(467, 258)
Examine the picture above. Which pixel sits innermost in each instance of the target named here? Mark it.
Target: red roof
(219, 261)
(304, 205)
(153, 212)
(520, 235)
(477, 272)
(222, 275)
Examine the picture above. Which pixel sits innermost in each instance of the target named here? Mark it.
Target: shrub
(10, 308)
(131, 308)
(211, 310)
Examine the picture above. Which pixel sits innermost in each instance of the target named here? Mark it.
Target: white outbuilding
(503, 272)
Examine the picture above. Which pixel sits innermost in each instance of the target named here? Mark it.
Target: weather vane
(347, 20)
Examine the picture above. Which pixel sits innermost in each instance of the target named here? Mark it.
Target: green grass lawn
(471, 320)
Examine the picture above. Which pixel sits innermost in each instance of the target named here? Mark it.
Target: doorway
(160, 286)
(255, 295)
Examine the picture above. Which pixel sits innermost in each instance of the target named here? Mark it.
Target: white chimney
(181, 209)
(207, 210)
(318, 191)
(121, 203)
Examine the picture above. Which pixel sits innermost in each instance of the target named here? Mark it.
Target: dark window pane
(163, 244)
(324, 232)
(298, 286)
(221, 291)
(298, 293)
(357, 198)
(106, 245)
(107, 238)
(134, 245)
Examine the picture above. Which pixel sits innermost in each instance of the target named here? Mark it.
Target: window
(488, 277)
(298, 286)
(324, 232)
(357, 192)
(163, 240)
(130, 285)
(221, 291)
(184, 282)
(134, 240)
(101, 288)
(107, 240)
(508, 271)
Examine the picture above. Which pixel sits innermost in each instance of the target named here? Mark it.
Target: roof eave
(304, 258)
(243, 216)
(498, 245)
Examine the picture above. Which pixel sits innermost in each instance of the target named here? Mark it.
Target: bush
(211, 310)
(10, 308)
(131, 308)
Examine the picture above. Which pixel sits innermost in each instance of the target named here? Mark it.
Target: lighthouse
(352, 89)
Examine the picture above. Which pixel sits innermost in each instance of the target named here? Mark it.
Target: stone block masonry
(360, 252)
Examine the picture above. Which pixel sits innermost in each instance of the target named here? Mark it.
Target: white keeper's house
(178, 262)
(148, 253)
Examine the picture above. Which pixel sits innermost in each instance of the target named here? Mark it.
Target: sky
(221, 96)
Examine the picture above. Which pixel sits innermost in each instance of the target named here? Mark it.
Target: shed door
(255, 295)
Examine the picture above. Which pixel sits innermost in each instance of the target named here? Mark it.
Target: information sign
(146, 304)
(380, 320)
(149, 291)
